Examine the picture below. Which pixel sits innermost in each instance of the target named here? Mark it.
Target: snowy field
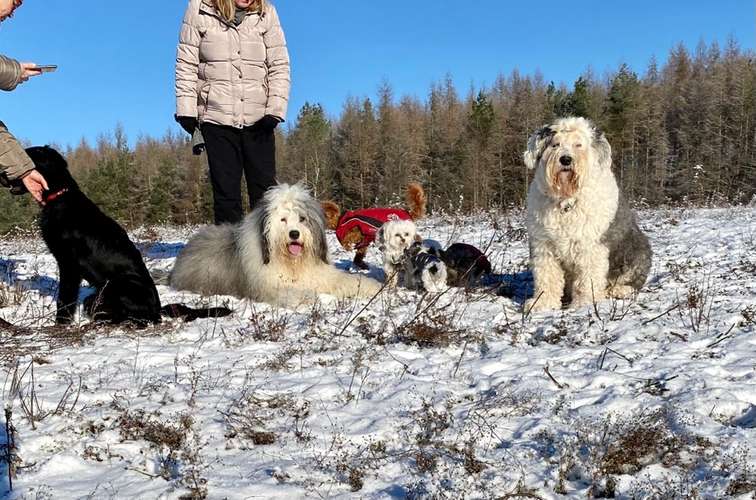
(452, 396)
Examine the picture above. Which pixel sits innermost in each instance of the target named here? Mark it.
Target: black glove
(188, 123)
(267, 124)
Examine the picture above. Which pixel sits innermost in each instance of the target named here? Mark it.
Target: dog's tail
(190, 314)
(7, 327)
(416, 200)
(332, 213)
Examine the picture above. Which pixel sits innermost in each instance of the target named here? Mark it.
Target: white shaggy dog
(393, 238)
(585, 243)
(278, 254)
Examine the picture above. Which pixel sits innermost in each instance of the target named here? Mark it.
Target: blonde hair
(227, 8)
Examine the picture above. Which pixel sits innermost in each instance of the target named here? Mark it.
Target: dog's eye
(283, 219)
(301, 218)
(578, 145)
(555, 145)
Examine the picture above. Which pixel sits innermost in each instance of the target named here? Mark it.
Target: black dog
(465, 264)
(87, 244)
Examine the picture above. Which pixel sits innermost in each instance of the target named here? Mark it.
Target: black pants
(231, 151)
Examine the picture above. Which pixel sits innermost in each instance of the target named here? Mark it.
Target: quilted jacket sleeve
(277, 60)
(187, 62)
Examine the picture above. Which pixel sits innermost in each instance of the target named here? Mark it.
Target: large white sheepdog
(585, 243)
(278, 254)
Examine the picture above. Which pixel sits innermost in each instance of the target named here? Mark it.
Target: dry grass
(138, 425)
(264, 327)
(433, 329)
(250, 416)
(12, 295)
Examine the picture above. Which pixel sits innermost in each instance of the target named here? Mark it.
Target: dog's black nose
(294, 235)
(433, 270)
(565, 160)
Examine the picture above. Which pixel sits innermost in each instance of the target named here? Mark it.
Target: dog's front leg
(348, 286)
(68, 292)
(591, 270)
(292, 297)
(359, 259)
(548, 280)
(392, 273)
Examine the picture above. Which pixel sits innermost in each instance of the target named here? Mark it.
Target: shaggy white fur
(278, 254)
(573, 205)
(393, 238)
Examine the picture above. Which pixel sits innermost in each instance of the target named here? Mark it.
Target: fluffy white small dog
(278, 254)
(585, 243)
(393, 238)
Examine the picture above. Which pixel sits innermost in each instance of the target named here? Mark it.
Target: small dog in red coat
(356, 229)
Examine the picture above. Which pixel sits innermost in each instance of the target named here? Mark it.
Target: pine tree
(622, 125)
(308, 147)
(480, 123)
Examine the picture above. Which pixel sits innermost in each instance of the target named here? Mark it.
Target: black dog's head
(53, 168)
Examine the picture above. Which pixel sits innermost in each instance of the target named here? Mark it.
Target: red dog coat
(368, 221)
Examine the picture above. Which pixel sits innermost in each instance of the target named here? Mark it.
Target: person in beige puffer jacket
(14, 162)
(232, 82)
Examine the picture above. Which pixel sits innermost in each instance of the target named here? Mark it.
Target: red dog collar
(54, 196)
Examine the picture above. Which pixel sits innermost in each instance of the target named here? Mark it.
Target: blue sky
(116, 60)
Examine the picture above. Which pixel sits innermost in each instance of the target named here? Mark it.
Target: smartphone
(46, 68)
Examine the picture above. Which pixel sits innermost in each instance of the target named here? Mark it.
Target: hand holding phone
(47, 68)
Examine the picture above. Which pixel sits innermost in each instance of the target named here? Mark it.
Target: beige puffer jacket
(14, 161)
(231, 75)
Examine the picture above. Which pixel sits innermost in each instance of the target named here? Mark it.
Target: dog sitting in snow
(357, 229)
(89, 245)
(585, 243)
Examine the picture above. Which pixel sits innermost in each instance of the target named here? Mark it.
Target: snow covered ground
(457, 396)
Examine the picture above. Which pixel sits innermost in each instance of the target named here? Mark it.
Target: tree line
(681, 132)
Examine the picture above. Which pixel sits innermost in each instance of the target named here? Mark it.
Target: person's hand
(35, 184)
(28, 70)
(267, 123)
(188, 123)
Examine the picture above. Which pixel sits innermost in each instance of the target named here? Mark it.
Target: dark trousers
(231, 151)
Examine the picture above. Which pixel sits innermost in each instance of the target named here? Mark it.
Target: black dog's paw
(63, 319)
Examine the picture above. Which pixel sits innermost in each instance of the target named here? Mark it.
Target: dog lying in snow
(424, 269)
(465, 263)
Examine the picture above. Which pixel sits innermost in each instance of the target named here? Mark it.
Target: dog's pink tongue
(565, 176)
(295, 249)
